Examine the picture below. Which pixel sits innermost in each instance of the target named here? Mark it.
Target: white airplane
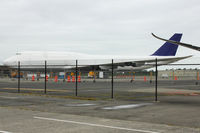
(67, 60)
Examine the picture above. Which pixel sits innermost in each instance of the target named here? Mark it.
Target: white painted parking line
(95, 125)
(4, 132)
(128, 106)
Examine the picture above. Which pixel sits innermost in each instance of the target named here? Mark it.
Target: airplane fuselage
(67, 60)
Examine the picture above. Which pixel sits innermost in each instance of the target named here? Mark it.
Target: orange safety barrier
(68, 79)
(79, 78)
(73, 78)
(145, 79)
(56, 78)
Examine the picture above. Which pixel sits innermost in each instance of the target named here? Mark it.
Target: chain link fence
(100, 82)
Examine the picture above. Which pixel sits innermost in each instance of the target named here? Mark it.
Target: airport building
(179, 74)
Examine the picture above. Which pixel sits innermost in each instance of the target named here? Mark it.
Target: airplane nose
(9, 61)
(5, 63)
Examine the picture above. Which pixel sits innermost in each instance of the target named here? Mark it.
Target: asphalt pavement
(133, 108)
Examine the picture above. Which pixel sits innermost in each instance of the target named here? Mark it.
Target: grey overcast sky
(117, 27)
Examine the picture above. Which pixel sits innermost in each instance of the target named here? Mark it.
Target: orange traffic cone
(33, 78)
(56, 78)
(68, 79)
(73, 78)
(133, 78)
(79, 78)
(145, 79)
(47, 78)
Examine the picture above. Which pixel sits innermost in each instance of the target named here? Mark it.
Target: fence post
(197, 78)
(150, 77)
(156, 84)
(76, 77)
(94, 76)
(45, 80)
(19, 76)
(112, 81)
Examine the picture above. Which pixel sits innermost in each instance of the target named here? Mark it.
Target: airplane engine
(105, 67)
(138, 64)
(134, 64)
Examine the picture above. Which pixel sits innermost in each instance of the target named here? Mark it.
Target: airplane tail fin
(168, 49)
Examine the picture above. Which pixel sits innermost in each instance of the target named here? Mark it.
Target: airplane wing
(178, 43)
(135, 64)
(171, 60)
(119, 64)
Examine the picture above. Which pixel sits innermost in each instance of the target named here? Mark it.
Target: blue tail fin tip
(169, 49)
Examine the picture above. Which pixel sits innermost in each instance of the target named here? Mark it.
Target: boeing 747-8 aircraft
(67, 60)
